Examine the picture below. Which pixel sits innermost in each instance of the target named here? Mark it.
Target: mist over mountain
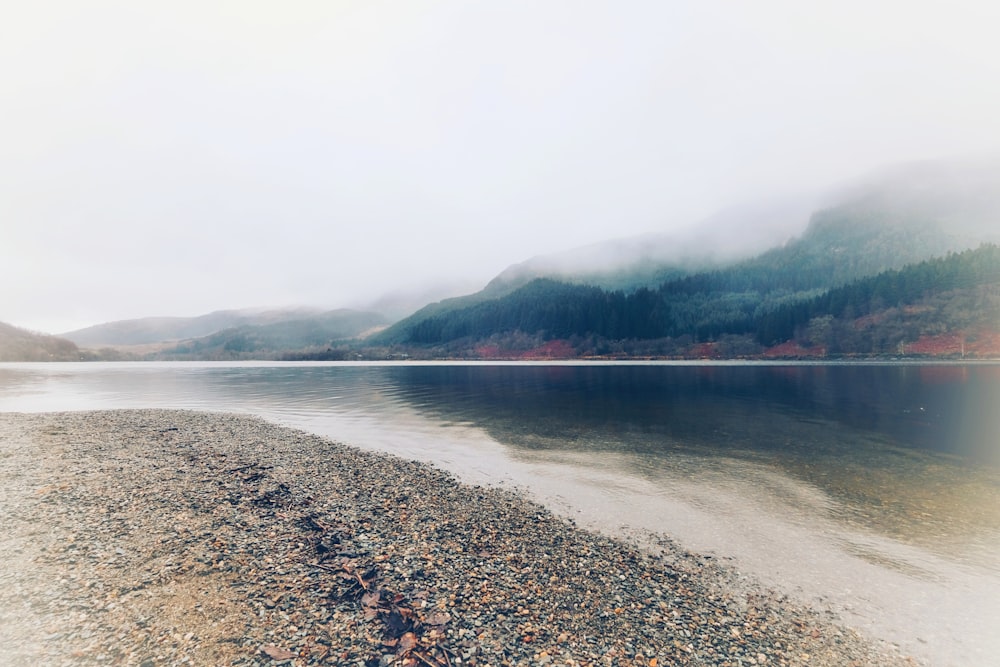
(642, 261)
(650, 288)
(949, 205)
(650, 259)
(752, 276)
(960, 195)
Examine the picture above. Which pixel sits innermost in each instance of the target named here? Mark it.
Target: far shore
(529, 359)
(155, 537)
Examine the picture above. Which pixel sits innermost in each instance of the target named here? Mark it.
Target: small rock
(276, 653)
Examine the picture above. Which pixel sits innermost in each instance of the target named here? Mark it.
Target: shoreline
(873, 360)
(156, 537)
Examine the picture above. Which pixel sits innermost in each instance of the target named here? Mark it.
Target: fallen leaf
(407, 641)
(275, 653)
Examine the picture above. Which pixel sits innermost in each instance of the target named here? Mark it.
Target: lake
(872, 490)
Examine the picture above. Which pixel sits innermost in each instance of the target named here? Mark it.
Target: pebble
(155, 537)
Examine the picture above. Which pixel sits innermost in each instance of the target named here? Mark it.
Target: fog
(732, 234)
(185, 157)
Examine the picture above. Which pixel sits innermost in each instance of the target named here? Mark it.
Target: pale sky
(175, 158)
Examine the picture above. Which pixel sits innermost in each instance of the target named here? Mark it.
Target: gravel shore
(165, 538)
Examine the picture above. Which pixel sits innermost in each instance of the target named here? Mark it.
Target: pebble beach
(155, 537)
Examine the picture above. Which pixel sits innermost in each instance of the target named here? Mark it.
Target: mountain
(18, 344)
(892, 220)
(159, 329)
(642, 261)
(276, 340)
(745, 282)
(953, 299)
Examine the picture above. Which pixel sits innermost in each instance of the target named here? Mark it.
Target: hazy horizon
(180, 159)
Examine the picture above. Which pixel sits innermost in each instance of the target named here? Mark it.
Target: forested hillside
(975, 272)
(886, 221)
(738, 312)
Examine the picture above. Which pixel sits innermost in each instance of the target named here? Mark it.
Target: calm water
(873, 490)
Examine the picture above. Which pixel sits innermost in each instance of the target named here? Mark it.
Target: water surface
(871, 489)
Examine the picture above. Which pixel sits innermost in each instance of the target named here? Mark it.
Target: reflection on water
(876, 487)
(911, 451)
(946, 409)
(908, 451)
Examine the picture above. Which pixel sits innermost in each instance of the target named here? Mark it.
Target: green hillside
(839, 247)
(905, 215)
(923, 299)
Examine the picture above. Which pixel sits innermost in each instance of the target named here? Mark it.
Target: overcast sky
(174, 158)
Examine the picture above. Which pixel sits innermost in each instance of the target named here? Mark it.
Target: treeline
(769, 306)
(890, 289)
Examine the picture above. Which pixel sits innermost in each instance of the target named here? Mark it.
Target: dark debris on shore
(162, 538)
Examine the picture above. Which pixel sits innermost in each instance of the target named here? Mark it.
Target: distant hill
(276, 340)
(18, 344)
(160, 329)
